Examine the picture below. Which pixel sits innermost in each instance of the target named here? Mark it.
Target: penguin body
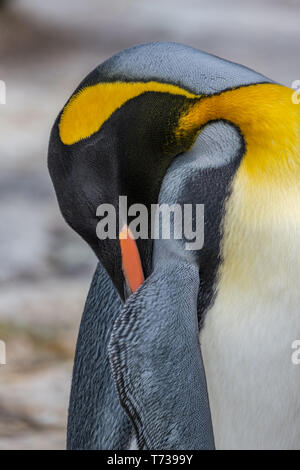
(167, 123)
(247, 338)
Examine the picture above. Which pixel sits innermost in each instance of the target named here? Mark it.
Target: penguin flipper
(157, 362)
(96, 419)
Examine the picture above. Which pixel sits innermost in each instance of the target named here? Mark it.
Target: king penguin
(198, 354)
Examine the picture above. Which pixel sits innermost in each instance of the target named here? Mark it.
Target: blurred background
(46, 48)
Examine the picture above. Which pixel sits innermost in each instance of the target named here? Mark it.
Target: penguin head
(165, 123)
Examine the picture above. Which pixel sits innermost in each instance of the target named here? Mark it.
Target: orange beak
(131, 261)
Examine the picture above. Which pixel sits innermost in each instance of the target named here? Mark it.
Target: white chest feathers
(253, 385)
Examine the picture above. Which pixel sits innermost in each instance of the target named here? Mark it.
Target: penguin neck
(262, 218)
(269, 122)
(261, 240)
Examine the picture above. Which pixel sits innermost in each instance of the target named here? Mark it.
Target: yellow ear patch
(267, 119)
(265, 114)
(88, 109)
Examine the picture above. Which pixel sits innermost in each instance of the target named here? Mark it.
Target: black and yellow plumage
(167, 123)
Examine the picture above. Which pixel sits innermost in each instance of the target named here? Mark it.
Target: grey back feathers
(184, 66)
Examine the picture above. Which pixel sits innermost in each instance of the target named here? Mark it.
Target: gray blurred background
(46, 48)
